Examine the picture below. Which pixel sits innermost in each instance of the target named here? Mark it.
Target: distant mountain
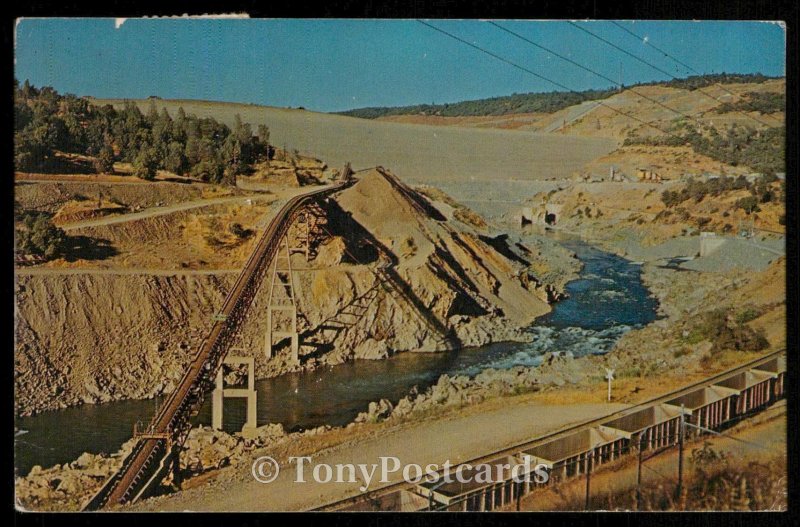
(548, 102)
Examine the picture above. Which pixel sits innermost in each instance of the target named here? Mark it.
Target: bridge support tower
(282, 308)
(221, 392)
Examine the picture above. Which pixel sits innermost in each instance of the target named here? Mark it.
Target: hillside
(548, 102)
(416, 153)
(670, 128)
(417, 278)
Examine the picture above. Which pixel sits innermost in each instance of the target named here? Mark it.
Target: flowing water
(606, 300)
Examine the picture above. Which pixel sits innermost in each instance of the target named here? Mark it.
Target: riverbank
(378, 283)
(656, 359)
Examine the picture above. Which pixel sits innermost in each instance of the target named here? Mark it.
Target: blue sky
(330, 65)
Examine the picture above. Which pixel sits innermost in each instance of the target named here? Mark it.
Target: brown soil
(445, 284)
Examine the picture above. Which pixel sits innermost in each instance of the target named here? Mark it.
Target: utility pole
(639, 476)
(588, 477)
(680, 455)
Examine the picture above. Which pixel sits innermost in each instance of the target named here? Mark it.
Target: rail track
(392, 487)
(158, 445)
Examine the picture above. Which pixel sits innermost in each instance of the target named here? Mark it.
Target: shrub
(240, 232)
(748, 314)
(40, 237)
(104, 162)
(146, 163)
(714, 327)
(748, 204)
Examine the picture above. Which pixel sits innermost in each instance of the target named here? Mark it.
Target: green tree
(152, 112)
(104, 161)
(263, 139)
(40, 237)
(146, 163)
(210, 170)
(175, 160)
(748, 204)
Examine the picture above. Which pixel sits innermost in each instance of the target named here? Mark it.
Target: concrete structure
(655, 426)
(708, 407)
(645, 174)
(282, 307)
(710, 243)
(543, 214)
(753, 390)
(249, 393)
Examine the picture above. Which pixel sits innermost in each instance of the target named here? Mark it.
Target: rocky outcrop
(391, 275)
(67, 487)
(462, 390)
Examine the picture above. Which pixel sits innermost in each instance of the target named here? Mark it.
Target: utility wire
(593, 72)
(555, 83)
(643, 61)
(656, 472)
(714, 432)
(692, 70)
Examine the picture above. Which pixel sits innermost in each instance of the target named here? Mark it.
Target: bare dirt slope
(417, 153)
(391, 274)
(93, 338)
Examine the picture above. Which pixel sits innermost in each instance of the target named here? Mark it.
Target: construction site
(590, 284)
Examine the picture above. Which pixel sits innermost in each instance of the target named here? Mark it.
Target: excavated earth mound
(390, 274)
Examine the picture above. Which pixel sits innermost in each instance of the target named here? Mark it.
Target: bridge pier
(282, 303)
(220, 393)
(177, 478)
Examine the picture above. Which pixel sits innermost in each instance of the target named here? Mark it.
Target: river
(605, 301)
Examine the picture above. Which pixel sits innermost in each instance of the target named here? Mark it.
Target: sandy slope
(416, 153)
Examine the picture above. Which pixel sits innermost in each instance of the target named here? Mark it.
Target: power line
(542, 77)
(645, 62)
(593, 72)
(727, 436)
(692, 70)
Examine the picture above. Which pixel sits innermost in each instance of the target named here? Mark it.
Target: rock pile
(461, 390)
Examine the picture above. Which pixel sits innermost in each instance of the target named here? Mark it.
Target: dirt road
(161, 211)
(456, 439)
(53, 271)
